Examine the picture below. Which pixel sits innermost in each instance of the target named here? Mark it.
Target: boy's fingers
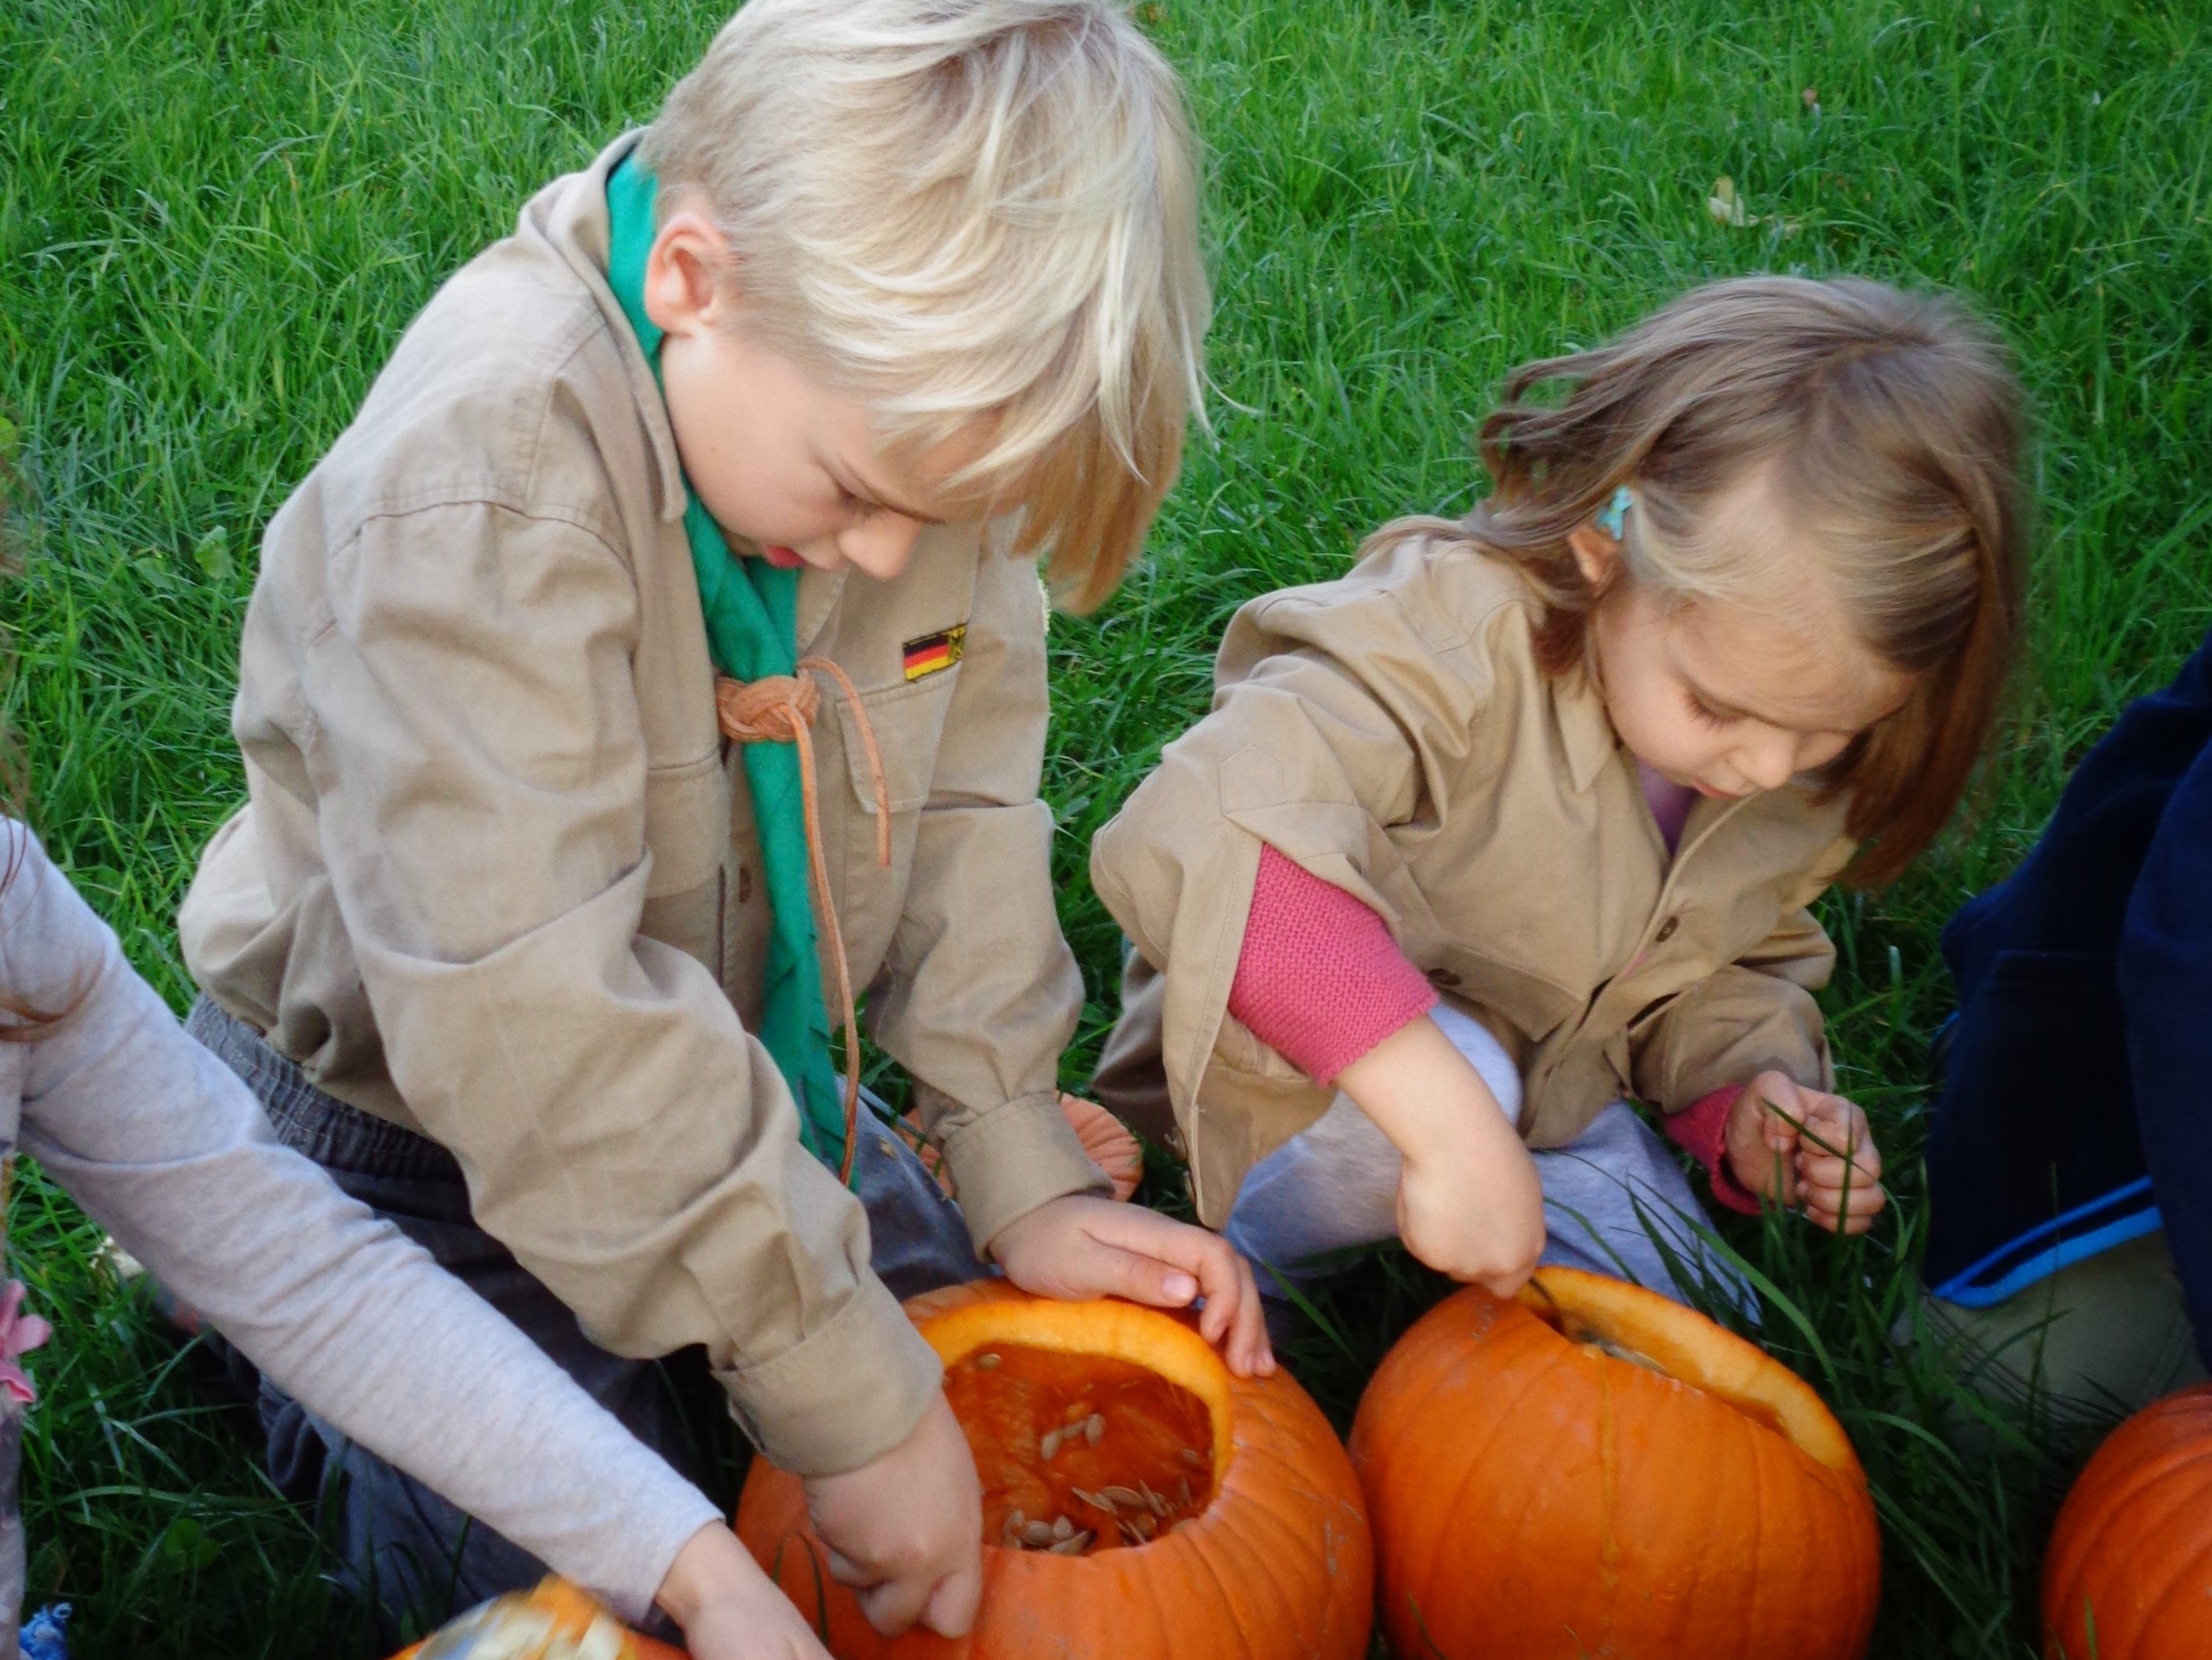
(952, 1605)
(892, 1605)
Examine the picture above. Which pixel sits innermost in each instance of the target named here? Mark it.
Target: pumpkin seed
(1146, 1528)
(1062, 1528)
(1096, 1500)
(1037, 1533)
(1049, 1446)
(1075, 1545)
(1157, 1505)
(1182, 1494)
(1190, 1456)
(1126, 1497)
(985, 1362)
(1094, 1428)
(1129, 1534)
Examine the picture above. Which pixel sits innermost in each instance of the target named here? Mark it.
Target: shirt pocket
(908, 724)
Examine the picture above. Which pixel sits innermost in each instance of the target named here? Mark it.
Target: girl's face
(1731, 698)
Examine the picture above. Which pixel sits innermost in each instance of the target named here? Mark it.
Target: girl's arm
(1469, 1203)
(162, 1145)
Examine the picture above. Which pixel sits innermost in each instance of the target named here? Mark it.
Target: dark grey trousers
(408, 1550)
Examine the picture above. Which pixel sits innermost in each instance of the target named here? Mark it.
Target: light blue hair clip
(1615, 519)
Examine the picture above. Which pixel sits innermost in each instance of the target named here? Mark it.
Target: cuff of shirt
(1008, 1161)
(1702, 1127)
(846, 1396)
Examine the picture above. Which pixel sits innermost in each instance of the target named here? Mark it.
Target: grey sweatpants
(401, 1542)
(1615, 1201)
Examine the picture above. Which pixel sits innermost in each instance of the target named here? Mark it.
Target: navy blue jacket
(2076, 1105)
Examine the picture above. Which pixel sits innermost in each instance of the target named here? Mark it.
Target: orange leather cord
(781, 709)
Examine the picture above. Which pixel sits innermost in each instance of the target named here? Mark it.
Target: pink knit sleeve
(1320, 980)
(1702, 1127)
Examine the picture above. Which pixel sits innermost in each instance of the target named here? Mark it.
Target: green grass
(217, 214)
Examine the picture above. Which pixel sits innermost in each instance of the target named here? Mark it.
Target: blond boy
(895, 295)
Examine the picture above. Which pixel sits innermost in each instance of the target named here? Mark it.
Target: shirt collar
(1585, 731)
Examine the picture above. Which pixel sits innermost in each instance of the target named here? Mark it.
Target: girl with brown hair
(1520, 820)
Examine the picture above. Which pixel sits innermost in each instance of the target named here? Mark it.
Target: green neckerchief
(752, 610)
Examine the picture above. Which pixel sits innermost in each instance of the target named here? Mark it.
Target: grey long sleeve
(163, 1146)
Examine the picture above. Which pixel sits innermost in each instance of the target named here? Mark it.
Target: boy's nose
(882, 545)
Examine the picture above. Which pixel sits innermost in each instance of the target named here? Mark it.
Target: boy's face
(775, 454)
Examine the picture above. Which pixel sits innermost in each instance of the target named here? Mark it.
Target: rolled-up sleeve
(981, 992)
(474, 742)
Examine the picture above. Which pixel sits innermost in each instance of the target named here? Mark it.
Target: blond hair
(969, 211)
(1889, 423)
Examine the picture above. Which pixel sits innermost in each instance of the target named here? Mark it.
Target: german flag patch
(934, 651)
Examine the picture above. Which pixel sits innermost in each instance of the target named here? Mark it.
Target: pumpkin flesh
(1154, 1442)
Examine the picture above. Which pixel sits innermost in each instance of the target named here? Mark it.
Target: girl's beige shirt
(497, 880)
(1391, 733)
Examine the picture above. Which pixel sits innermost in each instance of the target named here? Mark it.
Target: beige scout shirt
(1392, 734)
(497, 879)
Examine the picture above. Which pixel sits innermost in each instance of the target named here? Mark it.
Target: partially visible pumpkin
(1223, 1514)
(1595, 1471)
(2129, 1574)
(556, 1622)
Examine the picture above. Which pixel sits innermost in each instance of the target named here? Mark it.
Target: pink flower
(20, 1333)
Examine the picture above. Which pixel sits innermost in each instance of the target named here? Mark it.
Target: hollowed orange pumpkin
(1595, 1471)
(556, 1622)
(2130, 1557)
(1223, 1515)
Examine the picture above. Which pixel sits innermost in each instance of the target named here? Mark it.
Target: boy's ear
(1597, 553)
(687, 284)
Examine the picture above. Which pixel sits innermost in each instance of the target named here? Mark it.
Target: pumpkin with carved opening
(1594, 1471)
(1139, 1500)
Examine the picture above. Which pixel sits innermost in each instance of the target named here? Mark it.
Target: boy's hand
(907, 1530)
(729, 1609)
(1469, 1203)
(1802, 1146)
(1078, 1246)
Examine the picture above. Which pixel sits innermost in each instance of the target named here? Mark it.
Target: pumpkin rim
(1697, 1352)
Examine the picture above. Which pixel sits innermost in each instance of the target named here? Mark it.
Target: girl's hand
(1469, 1203)
(1078, 1246)
(1802, 1146)
(729, 1609)
(907, 1530)
(1474, 1208)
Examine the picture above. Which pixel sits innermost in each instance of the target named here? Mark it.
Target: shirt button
(1667, 930)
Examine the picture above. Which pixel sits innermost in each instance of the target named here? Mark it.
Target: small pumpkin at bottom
(1138, 1500)
(556, 1622)
(1593, 1472)
(2129, 1573)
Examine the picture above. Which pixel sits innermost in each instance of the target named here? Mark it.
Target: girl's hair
(969, 211)
(1889, 423)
